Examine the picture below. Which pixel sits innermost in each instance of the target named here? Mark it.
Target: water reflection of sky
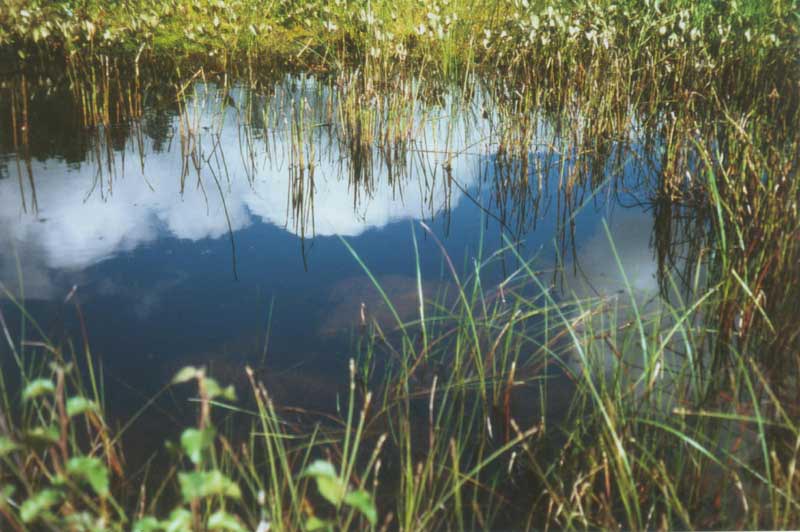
(154, 266)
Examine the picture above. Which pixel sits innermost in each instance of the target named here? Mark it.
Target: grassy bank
(739, 46)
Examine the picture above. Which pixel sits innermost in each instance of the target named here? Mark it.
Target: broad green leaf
(329, 484)
(331, 488)
(5, 493)
(43, 435)
(195, 441)
(92, 470)
(199, 484)
(7, 446)
(229, 393)
(220, 520)
(33, 507)
(315, 523)
(78, 405)
(362, 501)
(179, 520)
(214, 390)
(38, 387)
(319, 468)
(147, 524)
(186, 374)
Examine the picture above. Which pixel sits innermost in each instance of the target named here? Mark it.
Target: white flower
(673, 39)
(421, 29)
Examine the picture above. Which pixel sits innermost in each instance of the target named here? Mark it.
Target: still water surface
(191, 235)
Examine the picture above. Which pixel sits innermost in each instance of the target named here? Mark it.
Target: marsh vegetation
(590, 320)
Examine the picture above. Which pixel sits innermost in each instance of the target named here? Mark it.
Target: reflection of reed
(23, 129)
(107, 92)
(301, 172)
(532, 153)
(379, 138)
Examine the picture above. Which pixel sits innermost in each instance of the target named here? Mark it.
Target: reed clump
(495, 407)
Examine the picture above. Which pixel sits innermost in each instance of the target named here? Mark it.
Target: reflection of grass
(447, 422)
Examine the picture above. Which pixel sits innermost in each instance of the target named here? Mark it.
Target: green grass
(671, 46)
(641, 444)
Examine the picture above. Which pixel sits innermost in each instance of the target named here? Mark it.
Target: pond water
(211, 232)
